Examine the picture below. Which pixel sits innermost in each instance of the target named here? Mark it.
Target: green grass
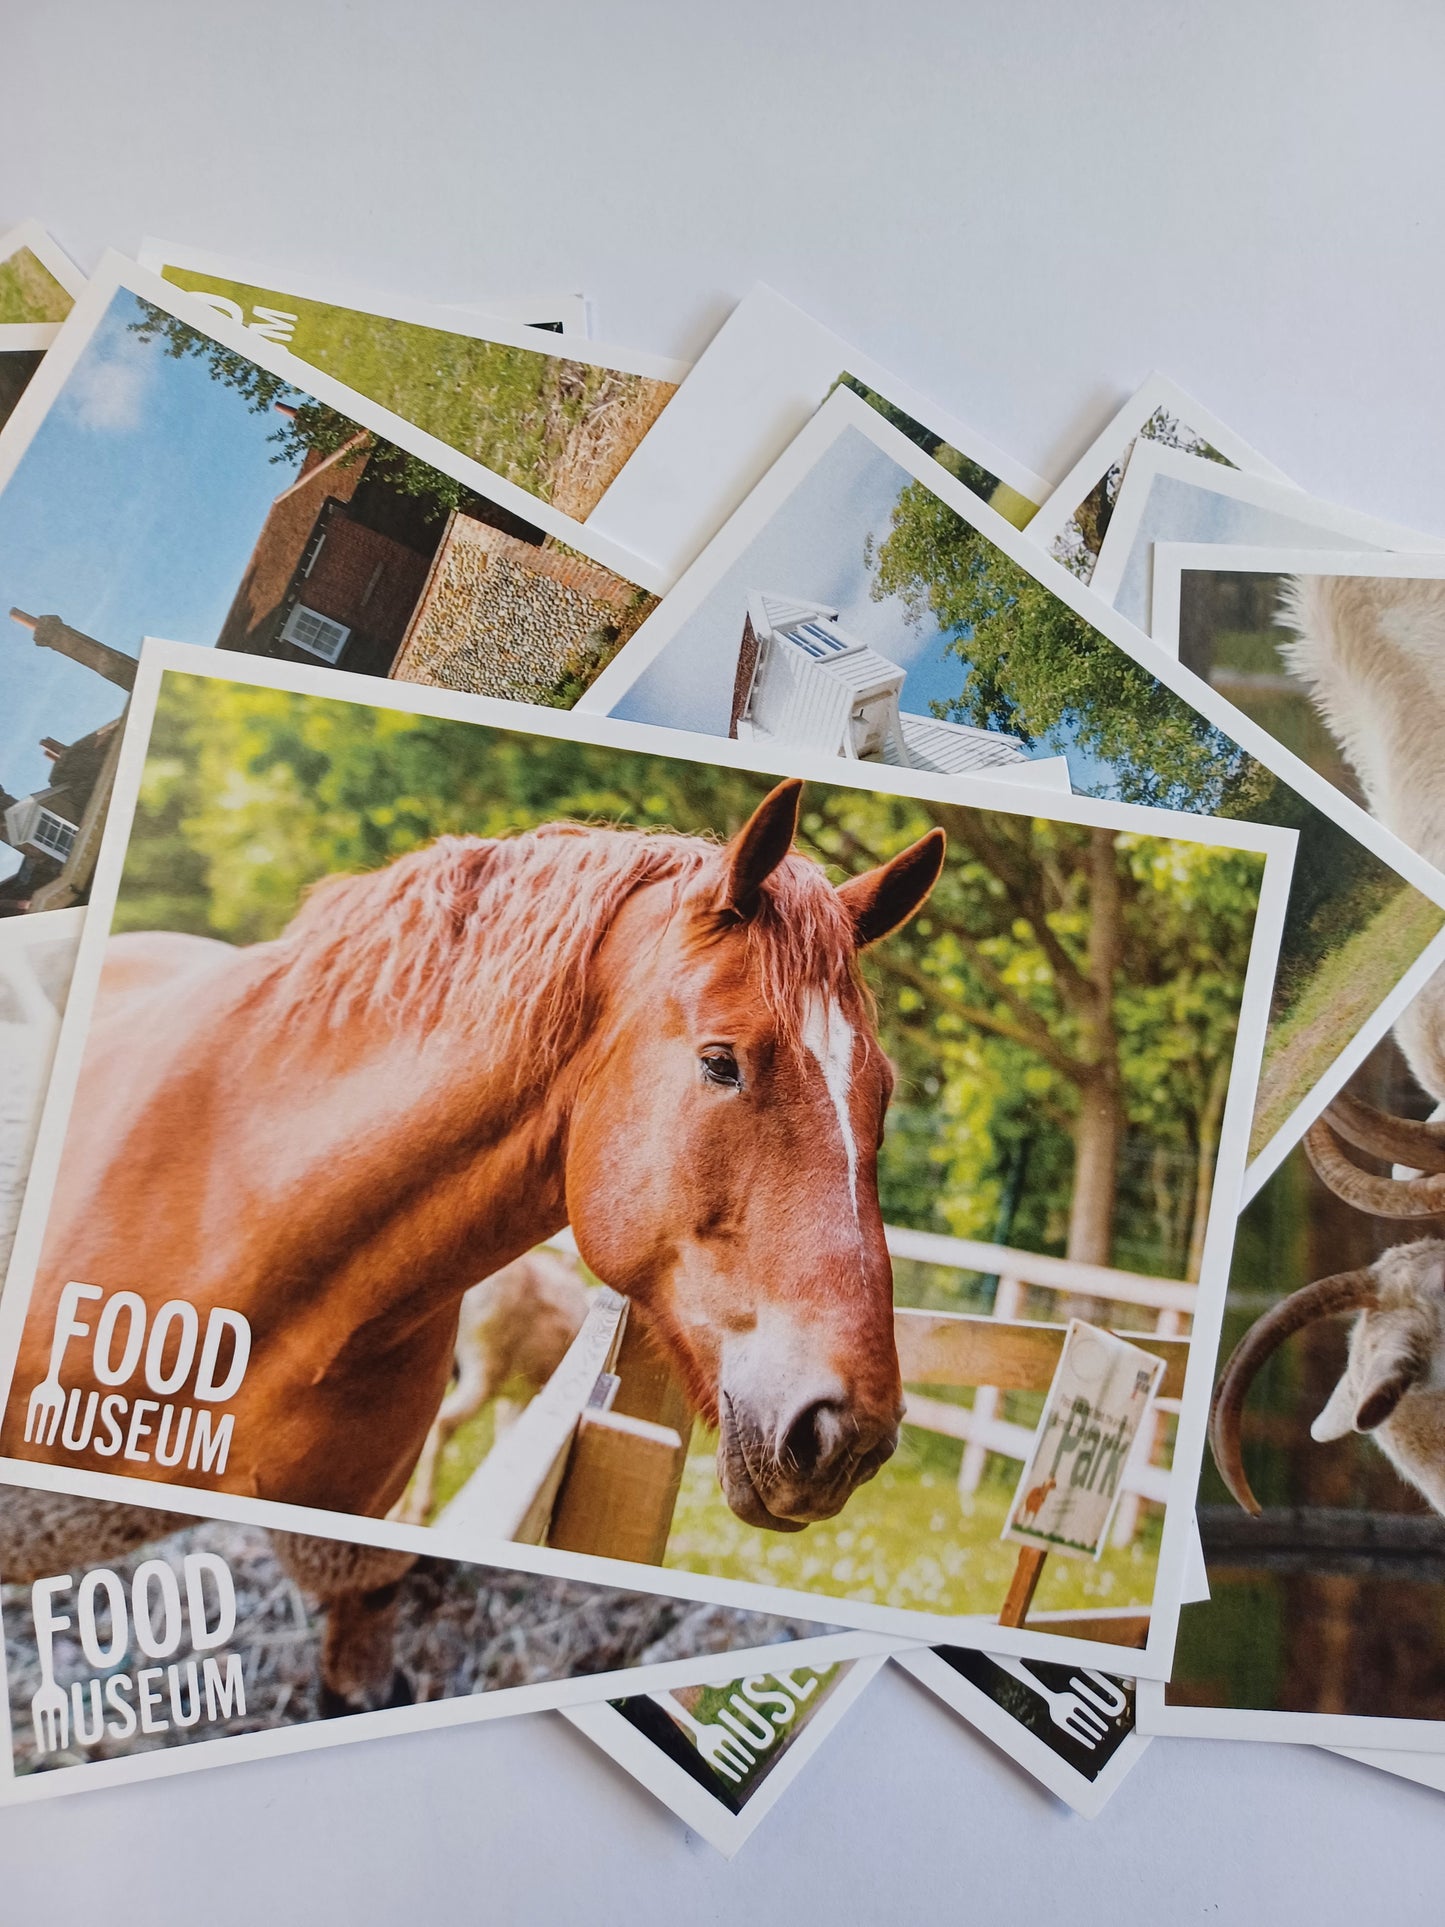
(906, 1539)
(526, 415)
(29, 293)
(1350, 984)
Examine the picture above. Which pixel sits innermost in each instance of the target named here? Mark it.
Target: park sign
(1073, 1478)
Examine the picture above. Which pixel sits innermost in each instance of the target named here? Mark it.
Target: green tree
(1033, 667)
(304, 425)
(1065, 990)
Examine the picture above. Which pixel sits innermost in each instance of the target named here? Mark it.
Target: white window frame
(335, 633)
(45, 816)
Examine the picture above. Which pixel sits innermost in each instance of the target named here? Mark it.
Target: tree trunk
(1098, 1131)
(1099, 1128)
(1209, 1123)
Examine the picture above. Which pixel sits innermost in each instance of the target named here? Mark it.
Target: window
(819, 643)
(53, 834)
(317, 635)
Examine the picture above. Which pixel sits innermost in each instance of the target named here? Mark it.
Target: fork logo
(742, 1731)
(154, 1615)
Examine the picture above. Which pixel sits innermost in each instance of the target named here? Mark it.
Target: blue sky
(132, 513)
(814, 548)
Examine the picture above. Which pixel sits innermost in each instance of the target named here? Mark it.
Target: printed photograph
(499, 1064)
(176, 488)
(36, 959)
(1176, 498)
(730, 1739)
(131, 1631)
(1078, 543)
(559, 424)
(1070, 1727)
(1321, 1513)
(29, 292)
(867, 618)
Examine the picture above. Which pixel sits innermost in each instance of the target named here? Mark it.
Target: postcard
(37, 956)
(163, 478)
(553, 417)
(1173, 497)
(763, 375)
(864, 603)
(39, 283)
(794, 1491)
(306, 1651)
(722, 1755)
(558, 313)
(141, 1642)
(1072, 1728)
(1419, 1767)
(1320, 1508)
(1073, 523)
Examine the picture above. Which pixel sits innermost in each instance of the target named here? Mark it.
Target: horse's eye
(719, 1066)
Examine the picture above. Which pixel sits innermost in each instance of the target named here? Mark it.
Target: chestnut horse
(661, 1041)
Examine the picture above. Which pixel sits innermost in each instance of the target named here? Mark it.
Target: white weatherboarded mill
(802, 679)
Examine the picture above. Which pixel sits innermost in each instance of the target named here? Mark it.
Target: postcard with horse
(602, 1007)
(169, 473)
(324, 1627)
(864, 602)
(141, 1642)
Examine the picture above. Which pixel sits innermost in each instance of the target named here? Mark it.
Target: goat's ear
(758, 848)
(1382, 1390)
(882, 899)
(1338, 1417)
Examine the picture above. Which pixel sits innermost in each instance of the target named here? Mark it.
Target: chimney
(285, 408)
(53, 750)
(51, 633)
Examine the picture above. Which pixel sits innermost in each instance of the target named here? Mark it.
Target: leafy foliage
(985, 1002)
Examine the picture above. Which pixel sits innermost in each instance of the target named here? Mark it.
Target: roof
(950, 749)
(282, 543)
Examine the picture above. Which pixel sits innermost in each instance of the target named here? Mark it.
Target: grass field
(561, 429)
(29, 293)
(1352, 983)
(906, 1539)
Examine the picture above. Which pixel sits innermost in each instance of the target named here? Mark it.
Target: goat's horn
(1400, 1139)
(1346, 1291)
(1381, 1197)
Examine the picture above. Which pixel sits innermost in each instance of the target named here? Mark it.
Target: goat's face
(1397, 1346)
(1394, 1380)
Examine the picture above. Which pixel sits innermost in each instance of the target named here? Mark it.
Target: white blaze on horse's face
(830, 1038)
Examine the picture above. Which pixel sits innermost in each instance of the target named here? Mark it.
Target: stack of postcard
(659, 1026)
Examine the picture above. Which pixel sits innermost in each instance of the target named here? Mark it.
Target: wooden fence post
(1007, 1303)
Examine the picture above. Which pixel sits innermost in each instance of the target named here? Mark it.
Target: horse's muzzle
(791, 1474)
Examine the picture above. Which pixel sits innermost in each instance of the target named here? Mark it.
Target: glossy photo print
(488, 987)
(1074, 524)
(557, 417)
(181, 477)
(865, 604)
(755, 386)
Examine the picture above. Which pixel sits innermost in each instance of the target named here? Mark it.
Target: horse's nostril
(814, 1439)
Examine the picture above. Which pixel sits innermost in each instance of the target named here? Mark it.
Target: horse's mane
(500, 933)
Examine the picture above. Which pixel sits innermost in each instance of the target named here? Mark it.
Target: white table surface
(1022, 208)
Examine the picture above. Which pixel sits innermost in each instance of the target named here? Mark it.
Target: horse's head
(722, 1156)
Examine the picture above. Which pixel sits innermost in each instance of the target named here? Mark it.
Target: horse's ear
(882, 899)
(758, 848)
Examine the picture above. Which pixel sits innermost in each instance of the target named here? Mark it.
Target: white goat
(1370, 650)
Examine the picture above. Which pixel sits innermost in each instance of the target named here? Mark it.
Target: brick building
(340, 565)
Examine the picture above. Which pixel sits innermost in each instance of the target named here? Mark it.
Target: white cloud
(108, 391)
